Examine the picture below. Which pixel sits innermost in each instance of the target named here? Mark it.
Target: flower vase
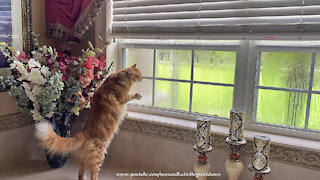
(62, 125)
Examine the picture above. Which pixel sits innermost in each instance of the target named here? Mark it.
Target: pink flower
(103, 62)
(22, 57)
(50, 64)
(62, 67)
(66, 58)
(87, 65)
(65, 78)
(90, 63)
(86, 78)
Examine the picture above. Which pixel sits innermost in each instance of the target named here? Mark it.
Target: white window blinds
(207, 17)
(5, 21)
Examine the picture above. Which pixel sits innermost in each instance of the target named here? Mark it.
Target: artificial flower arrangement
(48, 82)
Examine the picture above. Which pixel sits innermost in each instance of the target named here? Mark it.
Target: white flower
(27, 89)
(36, 115)
(76, 110)
(88, 105)
(35, 112)
(50, 114)
(38, 57)
(17, 53)
(36, 77)
(36, 90)
(33, 63)
(45, 70)
(23, 77)
(44, 49)
(13, 65)
(91, 94)
(100, 73)
(20, 67)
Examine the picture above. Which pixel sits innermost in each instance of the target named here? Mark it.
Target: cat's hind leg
(94, 175)
(82, 170)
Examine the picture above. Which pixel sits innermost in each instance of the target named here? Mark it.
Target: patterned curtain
(70, 18)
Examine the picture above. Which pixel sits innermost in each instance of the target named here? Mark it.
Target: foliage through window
(285, 89)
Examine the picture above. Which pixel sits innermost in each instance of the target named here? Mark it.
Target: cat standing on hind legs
(106, 113)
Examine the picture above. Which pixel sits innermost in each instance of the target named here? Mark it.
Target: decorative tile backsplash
(15, 121)
(279, 152)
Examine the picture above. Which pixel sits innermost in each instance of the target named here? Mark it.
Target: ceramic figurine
(236, 125)
(203, 133)
(261, 153)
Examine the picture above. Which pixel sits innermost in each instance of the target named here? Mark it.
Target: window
(14, 23)
(212, 78)
(5, 24)
(287, 88)
(191, 80)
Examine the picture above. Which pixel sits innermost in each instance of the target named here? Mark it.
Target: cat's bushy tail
(56, 144)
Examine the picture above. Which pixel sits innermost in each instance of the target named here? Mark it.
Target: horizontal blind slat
(282, 11)
(213, 6)
(221, 21)
(136, 3)
(266, 29)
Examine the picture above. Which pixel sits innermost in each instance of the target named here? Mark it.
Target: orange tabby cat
(106, 113)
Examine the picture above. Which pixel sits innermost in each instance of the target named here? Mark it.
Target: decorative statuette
(202, 146)
(203, 133)
(236, 125)
(260, 157)
(261, 153)
(234, 165)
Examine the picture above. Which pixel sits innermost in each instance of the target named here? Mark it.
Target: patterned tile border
(279, 152)
(14, 121)
(19, 120)
(286, 154)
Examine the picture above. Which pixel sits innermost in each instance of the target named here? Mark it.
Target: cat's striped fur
(106, 113)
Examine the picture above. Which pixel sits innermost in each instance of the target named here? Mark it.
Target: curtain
(70, 18)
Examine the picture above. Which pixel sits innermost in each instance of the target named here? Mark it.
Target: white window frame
(245, 84)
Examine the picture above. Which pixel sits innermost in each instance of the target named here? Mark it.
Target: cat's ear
(134, 66)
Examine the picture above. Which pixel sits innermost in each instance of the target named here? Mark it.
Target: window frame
(245, 86)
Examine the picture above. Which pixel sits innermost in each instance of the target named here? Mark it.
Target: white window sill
(297, 143)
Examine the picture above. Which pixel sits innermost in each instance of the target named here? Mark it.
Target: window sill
(291, 150)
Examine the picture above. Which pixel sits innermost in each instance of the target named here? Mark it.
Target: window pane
(214, 100)
(314, 117)
(143, 58)
(173, 64)
(174, 95)
(214, 66)
(316, 80)
(145, 89)
(285, 69)
(282, 108)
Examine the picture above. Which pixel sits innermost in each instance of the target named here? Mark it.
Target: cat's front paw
(137, 96)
